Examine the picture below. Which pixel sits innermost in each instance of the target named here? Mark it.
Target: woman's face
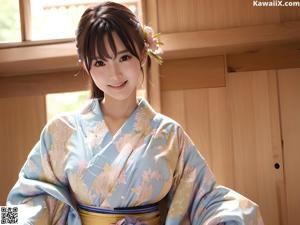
(119, 75)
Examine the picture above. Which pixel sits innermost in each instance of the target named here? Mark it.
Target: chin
(120, 97)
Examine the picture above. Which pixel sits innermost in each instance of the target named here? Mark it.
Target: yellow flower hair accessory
(153, 44)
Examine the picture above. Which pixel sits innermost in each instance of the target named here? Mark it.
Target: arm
(196, 199)
(41, 193)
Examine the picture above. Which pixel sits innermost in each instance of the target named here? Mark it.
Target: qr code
(9, 215)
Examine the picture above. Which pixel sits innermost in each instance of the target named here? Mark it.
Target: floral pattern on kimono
(150, 159)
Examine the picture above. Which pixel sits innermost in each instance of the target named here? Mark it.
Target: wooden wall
(239, 110)
(192, 15)
(21, 119)
(248, 132)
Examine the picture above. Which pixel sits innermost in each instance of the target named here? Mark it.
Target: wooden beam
(230, 40)
(178, 45)
(38, 59)
(38, 66)
(41, 84)
(33, 43)
(267, 58)
(43, 51)
(206, 72)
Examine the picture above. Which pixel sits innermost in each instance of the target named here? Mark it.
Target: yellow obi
(98, 216)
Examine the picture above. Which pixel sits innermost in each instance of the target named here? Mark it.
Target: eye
(99, 63)
(125, 58)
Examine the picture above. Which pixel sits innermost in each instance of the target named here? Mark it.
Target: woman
(116, 160)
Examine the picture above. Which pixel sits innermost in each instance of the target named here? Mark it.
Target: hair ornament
(153, 44)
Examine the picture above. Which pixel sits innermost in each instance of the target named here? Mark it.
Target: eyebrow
(118, 53)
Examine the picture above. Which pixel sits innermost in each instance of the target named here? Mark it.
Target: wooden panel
(230, 40)
(38, 59)
(237, 130)
(204, 114)
(277, 57)
(209, 124)
(38, 65)
(257, 142)
(39, 84)
(192, 15)
(289, 13)
(40, 50)
(289, 89)
(192, 73)
(221, 136)
(174, 106)
(21, 122)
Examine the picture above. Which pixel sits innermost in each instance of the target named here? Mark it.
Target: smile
(118, 86)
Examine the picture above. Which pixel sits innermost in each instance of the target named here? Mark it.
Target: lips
(120, 85)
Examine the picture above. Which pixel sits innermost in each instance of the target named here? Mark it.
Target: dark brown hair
(99, 21)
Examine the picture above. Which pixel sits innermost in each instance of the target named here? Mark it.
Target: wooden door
(257, 141)
(237, 129)
(289, 92)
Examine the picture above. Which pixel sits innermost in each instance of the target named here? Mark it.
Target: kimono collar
(143, 105)
(92, 121)
(142, 117)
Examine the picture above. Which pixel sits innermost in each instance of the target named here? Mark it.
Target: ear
(82, 67)
(80, 63)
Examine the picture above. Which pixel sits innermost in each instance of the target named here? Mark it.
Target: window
(10, 28)
(64, 102)
(52, 19)
(47, 19)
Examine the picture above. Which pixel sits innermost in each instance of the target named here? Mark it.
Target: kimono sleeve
(42, 196)
(196, 199)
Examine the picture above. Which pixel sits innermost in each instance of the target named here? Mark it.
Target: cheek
(97, 77)
(133, 69)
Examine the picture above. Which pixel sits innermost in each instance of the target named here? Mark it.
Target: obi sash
(148, 214)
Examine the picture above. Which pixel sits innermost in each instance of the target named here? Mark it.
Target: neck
(118, 109)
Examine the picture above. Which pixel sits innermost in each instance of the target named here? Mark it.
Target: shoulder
(60, 127)
(166, 121)
(171, 124)
(67, 121)
(173, 130)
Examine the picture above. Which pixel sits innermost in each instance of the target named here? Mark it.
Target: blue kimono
(149, 159)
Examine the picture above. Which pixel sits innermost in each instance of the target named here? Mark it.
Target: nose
(116, 74)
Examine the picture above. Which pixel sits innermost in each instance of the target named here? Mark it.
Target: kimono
(149, 159)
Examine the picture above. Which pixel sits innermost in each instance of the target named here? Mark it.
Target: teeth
(119, 84)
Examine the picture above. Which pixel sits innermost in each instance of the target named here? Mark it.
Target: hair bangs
(96, 41)
(100, 50)
(128, 40)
